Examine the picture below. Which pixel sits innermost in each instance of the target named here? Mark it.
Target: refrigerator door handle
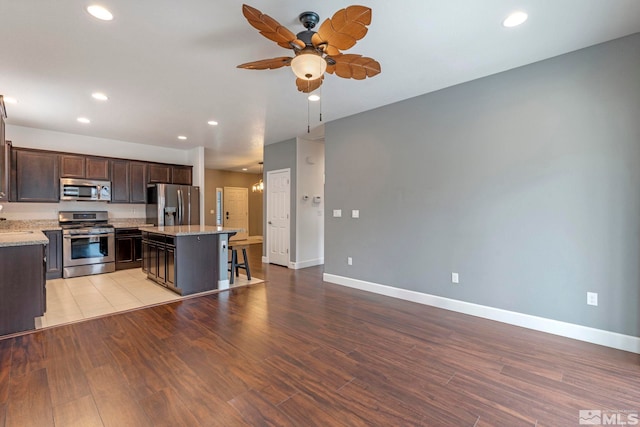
(180, 207)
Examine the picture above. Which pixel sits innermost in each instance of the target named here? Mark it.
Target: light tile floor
(78, 298)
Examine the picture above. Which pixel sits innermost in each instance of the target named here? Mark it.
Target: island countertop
(189, 230)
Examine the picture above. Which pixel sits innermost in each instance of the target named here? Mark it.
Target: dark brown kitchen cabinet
(79, 166)
(181, 175)
(53, 253)
(159, 173)
(35, 176)
(128, 248)
(137, 182)
(22, 286)
(120, 178)
(97, 168)
(72, 166)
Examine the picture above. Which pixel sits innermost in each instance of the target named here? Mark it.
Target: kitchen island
(22, 282)
(187, 258)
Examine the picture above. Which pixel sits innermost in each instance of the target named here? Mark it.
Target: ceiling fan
(317, 52)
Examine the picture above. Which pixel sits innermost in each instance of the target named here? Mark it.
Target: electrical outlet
(592, 298)
(355, 213)
(455, 278)
(337, 213)
(349, 260)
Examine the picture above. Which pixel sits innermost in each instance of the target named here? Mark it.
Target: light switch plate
(337, 213)
(355, 213)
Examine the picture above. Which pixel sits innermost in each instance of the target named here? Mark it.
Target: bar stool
(234, 265)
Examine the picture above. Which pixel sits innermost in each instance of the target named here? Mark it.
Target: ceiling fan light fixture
(308, 65)
(314, 97)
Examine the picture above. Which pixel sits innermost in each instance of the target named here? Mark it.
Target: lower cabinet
(159, 258)
(128, 248)
(53, 254)
(22, 285)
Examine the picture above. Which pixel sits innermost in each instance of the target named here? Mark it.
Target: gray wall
(282, 155)
(526, 183)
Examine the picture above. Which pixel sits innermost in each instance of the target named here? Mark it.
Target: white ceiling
(169, 67)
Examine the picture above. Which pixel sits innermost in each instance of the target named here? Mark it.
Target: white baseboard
(305, 264)
(265, 260)
(223, 284)
(556, 327)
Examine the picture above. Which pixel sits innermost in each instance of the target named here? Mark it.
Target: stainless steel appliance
(170, 204)
(88, 243)
(85, 189)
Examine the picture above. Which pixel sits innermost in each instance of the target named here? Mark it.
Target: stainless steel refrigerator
(170, 204)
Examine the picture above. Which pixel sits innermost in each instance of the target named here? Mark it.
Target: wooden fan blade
(343, 30)
(308, 86)
(267, 64)
(352, 66)
(270, 28)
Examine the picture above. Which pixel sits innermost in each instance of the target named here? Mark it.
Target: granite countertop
(190, 230)
(22, 238)
(29, 225)
(129, 224)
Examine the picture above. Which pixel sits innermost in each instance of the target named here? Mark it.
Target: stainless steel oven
(88, 243)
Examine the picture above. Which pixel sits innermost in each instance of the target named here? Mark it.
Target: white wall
(310, 214)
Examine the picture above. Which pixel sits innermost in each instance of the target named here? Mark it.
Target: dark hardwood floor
(295, 351)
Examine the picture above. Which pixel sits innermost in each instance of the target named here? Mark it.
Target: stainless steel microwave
(83, 189)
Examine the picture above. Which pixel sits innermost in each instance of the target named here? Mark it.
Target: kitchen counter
(190, 230)
(22, 238)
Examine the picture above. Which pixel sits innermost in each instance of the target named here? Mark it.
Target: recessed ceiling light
(83, 120)
(245, 169)
(10, 100)
(100, 12)
(212, 123)
(99, 96)
(313, 97)
(515, 19)
(182, 137)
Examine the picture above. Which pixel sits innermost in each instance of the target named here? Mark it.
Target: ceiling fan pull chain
(320, 104)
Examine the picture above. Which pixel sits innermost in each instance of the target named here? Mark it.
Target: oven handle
(84, 236)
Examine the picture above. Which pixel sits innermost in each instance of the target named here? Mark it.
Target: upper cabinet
(35, 176)
(72, 166)
(120, 177)
(128, 181)
(79, 166)
(159, 173)
(181, 175)
(138, 182)
(97, 168)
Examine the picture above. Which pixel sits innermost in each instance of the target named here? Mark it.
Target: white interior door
(278, 205)
(236, 210)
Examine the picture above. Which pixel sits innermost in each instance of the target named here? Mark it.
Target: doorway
(278, 222)
(236, 210)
